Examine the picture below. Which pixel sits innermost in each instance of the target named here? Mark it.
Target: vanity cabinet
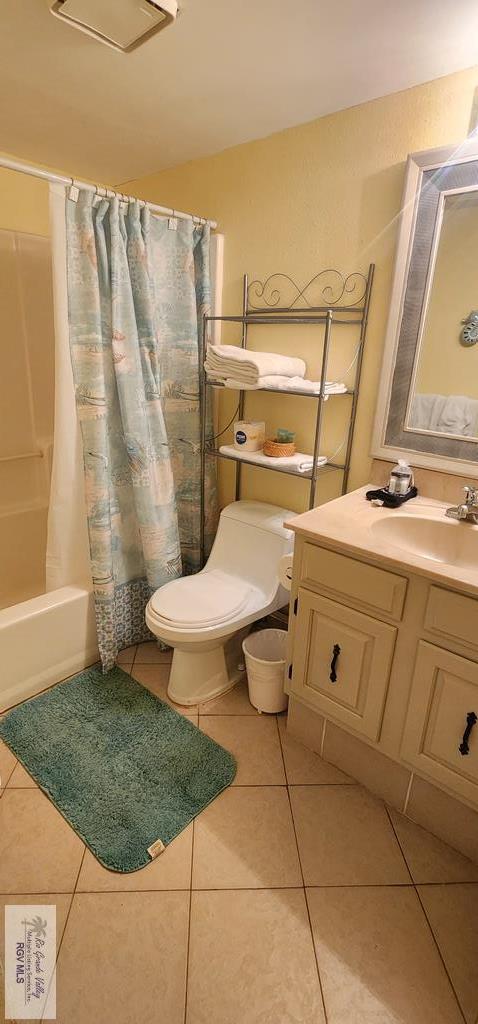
(452, 618)
(343, 661)
(438, 736)
(366, 642)
(353, 582)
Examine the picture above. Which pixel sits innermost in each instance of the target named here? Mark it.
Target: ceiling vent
(123, 24)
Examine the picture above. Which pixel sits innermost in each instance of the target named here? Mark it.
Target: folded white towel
(247, 366)
(300, 461)
(332, 387)
(306, 465)
(298, 384)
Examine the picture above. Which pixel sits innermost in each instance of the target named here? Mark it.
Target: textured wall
(23, 203)
(322, 194)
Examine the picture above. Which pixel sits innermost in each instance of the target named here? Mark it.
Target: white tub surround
(67, 553)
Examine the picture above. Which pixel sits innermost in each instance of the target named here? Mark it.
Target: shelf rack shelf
(281, 391)
(290, 470)
(335, 312)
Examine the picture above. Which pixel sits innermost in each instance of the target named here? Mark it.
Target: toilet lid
(202, 600)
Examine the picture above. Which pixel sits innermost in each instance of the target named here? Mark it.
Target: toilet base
(200, 675)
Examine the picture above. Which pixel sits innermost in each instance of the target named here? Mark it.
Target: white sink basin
(441, 540)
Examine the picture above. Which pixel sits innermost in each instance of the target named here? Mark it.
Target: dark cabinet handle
(471, 720)
(333, 674)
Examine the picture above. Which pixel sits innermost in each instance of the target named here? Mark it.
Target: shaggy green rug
(125, 770)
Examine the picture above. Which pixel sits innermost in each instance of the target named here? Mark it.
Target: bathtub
(44, 640)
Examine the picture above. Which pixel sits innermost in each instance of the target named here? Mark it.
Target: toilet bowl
(205, 617)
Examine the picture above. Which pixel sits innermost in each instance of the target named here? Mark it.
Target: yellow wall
(322, 194)
(23, 203)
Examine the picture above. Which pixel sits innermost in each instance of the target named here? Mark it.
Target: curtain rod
(61, 179)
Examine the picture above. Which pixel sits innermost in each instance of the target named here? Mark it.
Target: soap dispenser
(401, 479)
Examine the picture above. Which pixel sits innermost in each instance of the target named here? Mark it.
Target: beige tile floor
(295, 898)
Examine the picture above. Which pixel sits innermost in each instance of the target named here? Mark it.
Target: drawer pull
(471, 720)
(333, 674)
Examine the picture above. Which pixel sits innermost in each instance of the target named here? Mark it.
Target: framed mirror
(428, 397)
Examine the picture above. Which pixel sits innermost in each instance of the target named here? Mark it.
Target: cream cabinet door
(341, 662)
(441, 729)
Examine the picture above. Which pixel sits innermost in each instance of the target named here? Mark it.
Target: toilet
(205, 617)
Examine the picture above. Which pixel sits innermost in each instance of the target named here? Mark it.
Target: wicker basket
(277, 449)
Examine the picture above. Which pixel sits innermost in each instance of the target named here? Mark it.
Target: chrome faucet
(467, 512)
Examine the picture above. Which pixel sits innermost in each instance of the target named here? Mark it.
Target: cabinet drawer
(377, 589)
(452, 617)
(444, 694)
(342, 662)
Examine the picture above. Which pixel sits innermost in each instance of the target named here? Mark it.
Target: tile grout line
(437, 947)
(238, 785)
(407, 794)
(322, 738)
(60, 944)
(392, 826)
(72, 895)
(75, 890)
(6, 786)
(147, 664)
(302, 876)
(188, 945)
(430, 929)
(220, 889)
(238, 888)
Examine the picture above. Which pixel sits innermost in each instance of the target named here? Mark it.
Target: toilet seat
(204, 600)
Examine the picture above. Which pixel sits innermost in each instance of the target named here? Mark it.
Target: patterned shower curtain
(136, 295)
(180, 273)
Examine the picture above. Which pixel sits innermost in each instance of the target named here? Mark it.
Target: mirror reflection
(444, 391)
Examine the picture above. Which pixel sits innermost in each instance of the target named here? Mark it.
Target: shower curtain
(137, 291)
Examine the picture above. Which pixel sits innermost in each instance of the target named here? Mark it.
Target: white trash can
(265, 664)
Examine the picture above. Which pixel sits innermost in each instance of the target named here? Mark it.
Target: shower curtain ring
(73, 191)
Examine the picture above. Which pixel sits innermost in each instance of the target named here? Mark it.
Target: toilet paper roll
(285, 570)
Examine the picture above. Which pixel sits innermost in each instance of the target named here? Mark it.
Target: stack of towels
(236, 367)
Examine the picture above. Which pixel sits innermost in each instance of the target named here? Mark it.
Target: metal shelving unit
(333, 313)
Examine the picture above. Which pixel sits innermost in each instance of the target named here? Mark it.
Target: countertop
(346, 524)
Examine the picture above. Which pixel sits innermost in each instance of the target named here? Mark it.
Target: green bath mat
(125, 770)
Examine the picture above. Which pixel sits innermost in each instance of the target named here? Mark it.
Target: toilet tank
(250, 541)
